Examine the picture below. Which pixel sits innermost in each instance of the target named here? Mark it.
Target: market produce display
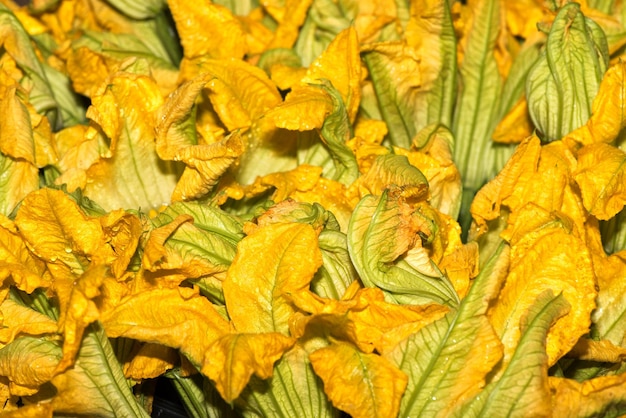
(313, 208)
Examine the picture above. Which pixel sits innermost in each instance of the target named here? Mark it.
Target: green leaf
(204, 249)
(378, 235)
(563, 83)
(449, 358)
(294, 390)
(477, 106)
(96, 385)
(337, 271)
(613, 233)
(200, 398)
(521, 391)
(138, 10)
(426, 93)
(335, 132)
(325, 19)
(44, 83)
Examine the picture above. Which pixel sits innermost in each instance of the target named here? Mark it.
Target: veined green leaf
(613, 233)
(415, 83)
(562, 85)
(605, 6)
(335, 131)
(448, 360)
(522, 389)
(43, 93)
(202, 250)
(337, 271)
(200, 398)
(18, 178)
(477, 105)
(96, 385)
(378, 234)
(325, 19)
(138, 10)
(294, 390)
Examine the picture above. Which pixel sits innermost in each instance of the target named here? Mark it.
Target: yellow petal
(165, 316)
(150, 362)
(124, 109)
(589, 398)
(208, 29)
(239, 92)
(16, 261)
(608, 116)
(18, 319)
(601, 175)
(58, 231)
(301, 179)
(272, 262)
(122, 231)
(515, 126)
(305, 108)
(548, 258)
(291, 17)
(88, 70)
(363, 385)
(601, 351)
(340, 63)
(81, 311)
(232, 359)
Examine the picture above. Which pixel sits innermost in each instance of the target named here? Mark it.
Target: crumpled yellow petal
(547, 258)
(588, 398)
(239, 92)
(305, 108)
(81, 310)
(363, 318)
(206, 28)
(88, 70)
(58, 232)
(601, 175)
(515, 126)
(150, 362)
(18, 319)
(16, 261)
(301, 179)
(271, 262)
(601, 351)
(363, 385)
(290, 17)
(231, 360)
(122, 231)
(134, 176)
(177, 318)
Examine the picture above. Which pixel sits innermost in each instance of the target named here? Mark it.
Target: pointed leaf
(437, 358)
(522, 390)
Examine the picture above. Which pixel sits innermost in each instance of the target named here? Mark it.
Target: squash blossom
(313, 208)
